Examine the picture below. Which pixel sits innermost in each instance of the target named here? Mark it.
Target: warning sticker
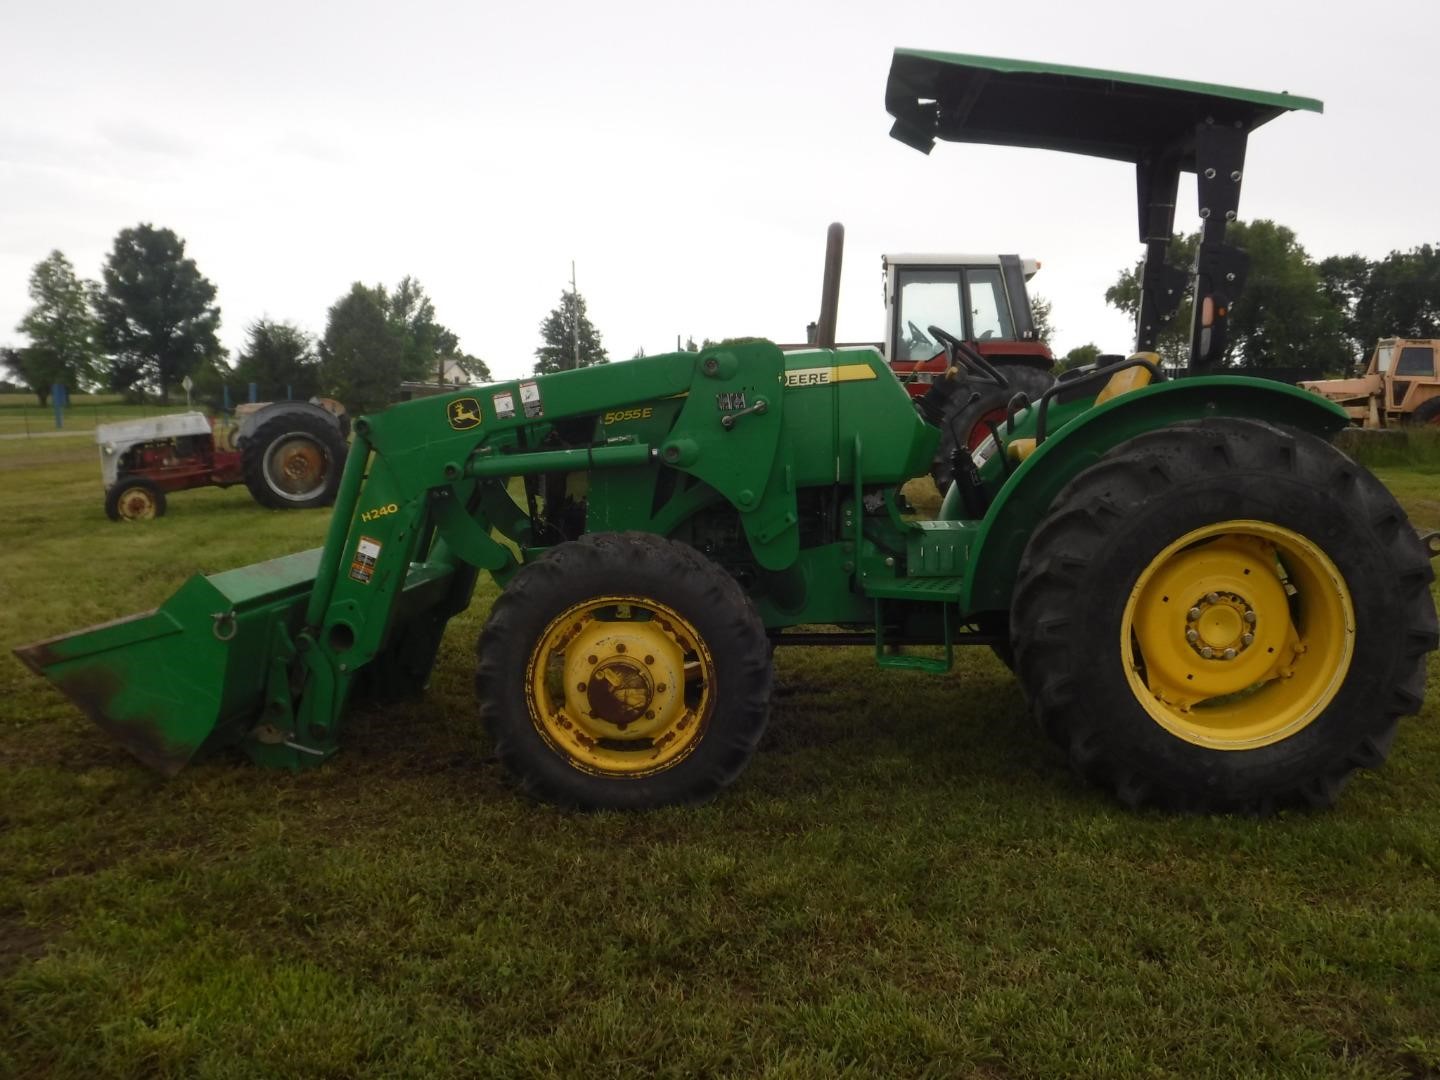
(504, 405)
(362, 567)
(530, 399)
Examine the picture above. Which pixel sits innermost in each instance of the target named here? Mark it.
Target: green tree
(362, 353)
(279, 358)
(1283, 318)
(157, 312)
(1400, 297)
(558, 334)
(375, 339)
(1040, 313)
(61, 328)
(1078, 357)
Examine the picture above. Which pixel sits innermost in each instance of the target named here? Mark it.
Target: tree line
(1310, 318)
(151, 321)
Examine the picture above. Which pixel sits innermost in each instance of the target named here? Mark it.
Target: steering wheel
(914, 336)
(958, 353)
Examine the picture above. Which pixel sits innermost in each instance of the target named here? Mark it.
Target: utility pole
(575, 321)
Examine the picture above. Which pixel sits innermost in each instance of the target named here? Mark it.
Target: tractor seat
(1122, 382)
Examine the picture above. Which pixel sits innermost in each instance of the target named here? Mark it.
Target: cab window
(927, 298)
(1384, 357)
(989, 313)
(1416, 360)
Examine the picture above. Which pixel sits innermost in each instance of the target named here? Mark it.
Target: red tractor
(289, 454)
(981, 301)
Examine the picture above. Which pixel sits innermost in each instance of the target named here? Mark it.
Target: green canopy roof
(1107, 114)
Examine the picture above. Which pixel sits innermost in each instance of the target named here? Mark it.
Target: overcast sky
(687, 157)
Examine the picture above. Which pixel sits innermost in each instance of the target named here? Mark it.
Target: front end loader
(1210, 607)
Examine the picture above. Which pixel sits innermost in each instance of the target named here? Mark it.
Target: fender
(1030, 490)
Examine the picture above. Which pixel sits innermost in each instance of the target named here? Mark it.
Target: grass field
(906, 882)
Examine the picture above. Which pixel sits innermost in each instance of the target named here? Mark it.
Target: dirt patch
(18, 943)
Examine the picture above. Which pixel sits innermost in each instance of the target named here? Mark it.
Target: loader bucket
(191, 675)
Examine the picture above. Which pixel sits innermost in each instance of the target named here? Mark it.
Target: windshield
(927, 298)
(936, 296)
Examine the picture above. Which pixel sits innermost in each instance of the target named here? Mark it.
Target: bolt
(1229, 654)
(1211, 598)
(1207, 652)
(660, 688)
(1229, 277)
(1250, 617)
(1204, 212)
(1209, 174)
(1192, 635)
(649, 714)
(649, 659)
(592, 659)
(580, 687)
(620, 647)
(1247, 640)
(889, 560)
(1235, 176)
(1193, 614)
(1230, 216)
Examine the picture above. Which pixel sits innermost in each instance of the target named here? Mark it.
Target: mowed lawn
(906, 881)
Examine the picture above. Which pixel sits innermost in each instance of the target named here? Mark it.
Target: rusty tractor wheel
(624, 671)
(134, 498)
(293, 461)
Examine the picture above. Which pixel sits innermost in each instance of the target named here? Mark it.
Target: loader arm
(267, 656)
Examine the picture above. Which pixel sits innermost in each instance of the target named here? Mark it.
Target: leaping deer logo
(463, 413)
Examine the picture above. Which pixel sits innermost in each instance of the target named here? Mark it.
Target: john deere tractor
(1209, 606)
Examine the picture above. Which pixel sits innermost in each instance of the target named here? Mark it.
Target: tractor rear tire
(965, 424)
(134, 498)
(1146, 596)
(624, 671)
(293, 461)
(1427, 413)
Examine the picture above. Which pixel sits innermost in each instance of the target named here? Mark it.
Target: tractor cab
(977, 298)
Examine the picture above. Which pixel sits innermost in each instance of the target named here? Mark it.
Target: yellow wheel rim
(137, 504)
(621, 686)
(1238, 635)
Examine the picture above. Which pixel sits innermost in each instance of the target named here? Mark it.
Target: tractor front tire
(293, 461)
(624, 671)
(1224, 616)
(134, 498)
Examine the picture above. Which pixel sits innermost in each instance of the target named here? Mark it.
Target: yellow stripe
(798, 378)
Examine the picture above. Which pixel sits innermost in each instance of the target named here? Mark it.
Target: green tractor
(1209, 606)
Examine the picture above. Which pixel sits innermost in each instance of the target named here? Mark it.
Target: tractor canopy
(1107, 114)
(1162, 126)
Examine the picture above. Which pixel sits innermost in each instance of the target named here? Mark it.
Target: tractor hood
(1107, 114)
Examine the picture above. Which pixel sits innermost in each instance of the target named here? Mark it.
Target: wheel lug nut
(592, 659)
(660, 688)
(1250, 617)
(1211, 598)
(649, 660)
(1192, 635)
(620, 647)
(1207, 652)
(1229, 654)
(1248, 639)
(1193, 614)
